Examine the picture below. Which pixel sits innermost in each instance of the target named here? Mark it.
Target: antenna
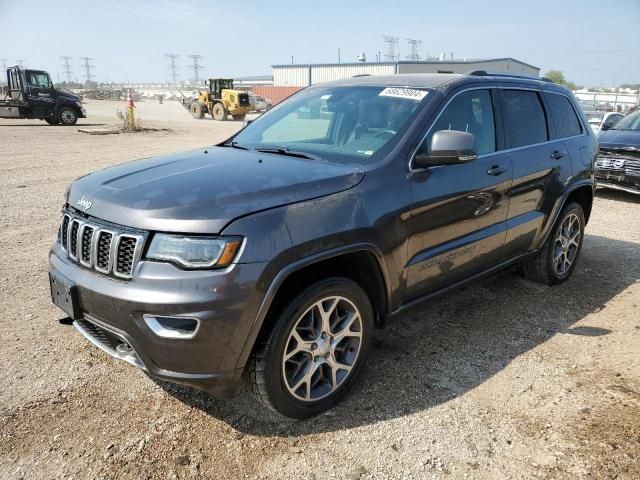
(173, 66)
(415, 45)
(87, 68)
(20, 63)
(66, 65)
(196, 67)
(391, 42)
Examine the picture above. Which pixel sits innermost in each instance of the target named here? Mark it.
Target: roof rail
(483, 73)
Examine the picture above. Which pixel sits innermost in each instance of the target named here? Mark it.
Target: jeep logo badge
(84, 203)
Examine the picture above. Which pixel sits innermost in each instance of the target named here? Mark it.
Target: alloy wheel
(322, 348)
(567, 242)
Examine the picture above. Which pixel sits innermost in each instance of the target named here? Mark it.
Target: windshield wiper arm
(234, 144)
(287, 152)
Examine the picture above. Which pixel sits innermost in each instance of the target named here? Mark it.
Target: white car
(603, 120)
(260, 104)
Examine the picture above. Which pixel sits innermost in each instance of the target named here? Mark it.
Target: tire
(559, 254)
(51, 121)
(219, 112)
(197, 110)
(239, 117)
(299, 387)
(67, 116)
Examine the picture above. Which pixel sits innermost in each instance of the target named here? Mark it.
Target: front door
(39, 92)
(457, 221)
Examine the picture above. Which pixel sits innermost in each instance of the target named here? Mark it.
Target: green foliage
(558, 77)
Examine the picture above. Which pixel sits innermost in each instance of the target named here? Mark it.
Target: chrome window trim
(136, 254)
(81, 230)
(114, 235)
(506, 150)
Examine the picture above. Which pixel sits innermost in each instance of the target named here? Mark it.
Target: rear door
(541, 166)
(456, 223)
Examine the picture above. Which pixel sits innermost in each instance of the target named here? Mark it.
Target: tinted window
(470, 112)
(564, 116)
(524, 118)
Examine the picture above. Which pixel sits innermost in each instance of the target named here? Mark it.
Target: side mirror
(606, 125)
(447, 147)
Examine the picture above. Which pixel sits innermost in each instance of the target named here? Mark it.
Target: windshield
(630, 122)
(344, 124)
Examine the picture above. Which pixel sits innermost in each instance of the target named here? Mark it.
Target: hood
(619, 138)
(70, 96)
(201, 191)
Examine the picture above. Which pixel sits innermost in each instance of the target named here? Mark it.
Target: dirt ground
(504, 379)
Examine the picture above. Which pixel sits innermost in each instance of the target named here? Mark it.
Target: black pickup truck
(30, 94)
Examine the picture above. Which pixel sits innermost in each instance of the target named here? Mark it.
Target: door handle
(558, 154)
(497, 170)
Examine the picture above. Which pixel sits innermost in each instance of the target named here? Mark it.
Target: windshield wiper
(234, 144)
(287, 152)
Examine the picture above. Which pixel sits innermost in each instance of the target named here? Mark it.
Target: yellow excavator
(221, 100)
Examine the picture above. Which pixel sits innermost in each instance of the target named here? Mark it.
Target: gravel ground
(504, 379)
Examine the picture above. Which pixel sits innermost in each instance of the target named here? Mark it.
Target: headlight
(194, 251)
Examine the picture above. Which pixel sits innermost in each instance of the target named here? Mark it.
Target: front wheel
(219, 112)
(67, 116)
(314, 352)
(559, 255)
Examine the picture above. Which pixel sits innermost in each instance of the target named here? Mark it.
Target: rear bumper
(225, 303)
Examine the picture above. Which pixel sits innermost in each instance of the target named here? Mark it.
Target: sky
(594, 43)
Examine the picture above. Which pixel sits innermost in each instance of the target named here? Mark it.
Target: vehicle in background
(603, 120)
(31, 94)
(273, 255)
(220, 100)
(259, 103)
(589, 106)
(618, 164)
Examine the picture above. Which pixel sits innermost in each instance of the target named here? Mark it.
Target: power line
(391, 43)
(173, 66)
(66, 65)
(196, 67)
(415, 45)
(87, 68)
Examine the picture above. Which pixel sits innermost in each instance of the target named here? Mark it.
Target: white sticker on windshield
(410, 93)
(325, 97)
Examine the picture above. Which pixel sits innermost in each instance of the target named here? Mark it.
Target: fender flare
(562, 201)
(289, 269)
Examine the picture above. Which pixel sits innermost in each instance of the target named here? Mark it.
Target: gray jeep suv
(274, 255)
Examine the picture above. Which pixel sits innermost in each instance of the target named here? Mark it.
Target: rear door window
(564, 116)
(524, 118)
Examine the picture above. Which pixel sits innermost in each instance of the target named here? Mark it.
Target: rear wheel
(67, 116)
(197, 110)
(219, 112)
(559, 255)
(239, 117)
(312, 356)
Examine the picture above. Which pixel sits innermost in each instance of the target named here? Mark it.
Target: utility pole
(391, 42)
(20, 63)
(173, 67)
(87, 68)
(196, 66)
(66, 65)
(414, 45)
(4, 64)
(338, 55)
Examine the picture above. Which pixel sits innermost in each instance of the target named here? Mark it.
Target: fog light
(172, 327)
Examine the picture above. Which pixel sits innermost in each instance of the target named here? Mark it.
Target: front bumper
(617, 180)
(224, 301)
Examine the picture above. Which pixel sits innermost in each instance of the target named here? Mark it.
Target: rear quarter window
(524, 117)
(564, 115)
